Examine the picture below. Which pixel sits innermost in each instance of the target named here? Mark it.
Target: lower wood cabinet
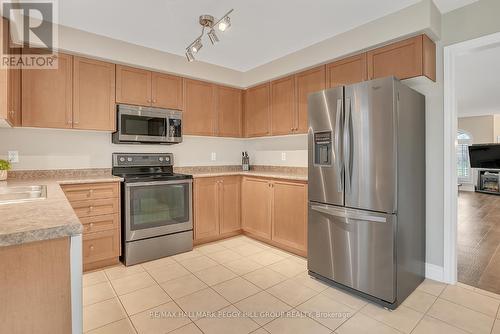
(35, 287)
(97, 205)
(256, 208)
(216, 207)
(275, 211)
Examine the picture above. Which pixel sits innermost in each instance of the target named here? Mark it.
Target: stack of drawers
(98, 207)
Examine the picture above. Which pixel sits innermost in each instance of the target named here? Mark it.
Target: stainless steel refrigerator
(366, 214)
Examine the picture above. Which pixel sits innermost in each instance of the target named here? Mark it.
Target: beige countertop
(49, 218)
(269, 174)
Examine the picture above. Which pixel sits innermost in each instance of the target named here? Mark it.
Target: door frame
(451, 52)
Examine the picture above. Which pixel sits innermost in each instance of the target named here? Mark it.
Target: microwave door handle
(337, 153)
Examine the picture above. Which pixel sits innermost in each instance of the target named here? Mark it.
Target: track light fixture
(208, 22)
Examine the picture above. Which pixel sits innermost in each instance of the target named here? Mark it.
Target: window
(464, 172)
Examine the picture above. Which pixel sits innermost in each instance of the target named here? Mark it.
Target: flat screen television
(485, 156)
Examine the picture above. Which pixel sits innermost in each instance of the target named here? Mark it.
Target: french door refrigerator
(366, 210)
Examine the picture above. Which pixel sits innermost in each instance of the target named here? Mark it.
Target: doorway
(471, 116)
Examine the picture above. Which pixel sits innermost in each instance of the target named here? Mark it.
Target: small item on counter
(4, 167)
(245, 161)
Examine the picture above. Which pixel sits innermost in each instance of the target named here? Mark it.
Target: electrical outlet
(283, 156)
(213, 156)
(13, 156)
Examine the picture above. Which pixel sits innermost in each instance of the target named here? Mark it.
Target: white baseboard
(434, 272)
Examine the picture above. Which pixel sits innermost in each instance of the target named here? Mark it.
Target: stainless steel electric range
(156, 207)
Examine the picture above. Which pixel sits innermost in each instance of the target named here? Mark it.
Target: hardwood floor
(479, 240)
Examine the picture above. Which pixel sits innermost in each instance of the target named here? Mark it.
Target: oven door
(142, 126)
(157, 208)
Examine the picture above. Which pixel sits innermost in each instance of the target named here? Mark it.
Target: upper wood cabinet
(307, 82)
(256, 208)
(217, 202)
(10, 83)
(199, 108)
(257, 114)
(410, 58)
(93, 94)
(167, 91)
(47, 95)
(229, 104)
(289, 210)
(347, 71)
(283, 113)
(146, 88)
(133, 86)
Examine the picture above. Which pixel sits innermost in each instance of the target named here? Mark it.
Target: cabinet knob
(91, 225)
(91, 247)
(154, 101)
(91, 208)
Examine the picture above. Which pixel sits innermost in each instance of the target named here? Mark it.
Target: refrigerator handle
(347, 140)
(342, 213)
(339, 166)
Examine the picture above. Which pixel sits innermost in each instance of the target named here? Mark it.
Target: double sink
(20, 194)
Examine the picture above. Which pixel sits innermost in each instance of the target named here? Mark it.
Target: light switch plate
(13, 156)
(283, 156)
(213, 156)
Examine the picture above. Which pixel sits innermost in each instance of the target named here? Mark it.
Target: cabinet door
(257, 116)
(283, 106)
(93, 94)
(289, 214)
(47, 95)
(206, 207)
(228, 106)
(403, 59)
(256, 207)
(198, 117)
(133, 86)
(14, 96)
(230, 204)
(166, 91)
(307, 82)
(347, 71)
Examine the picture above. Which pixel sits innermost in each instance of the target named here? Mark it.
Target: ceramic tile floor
(240, 285)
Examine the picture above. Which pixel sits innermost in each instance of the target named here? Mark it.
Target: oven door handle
(157, 183)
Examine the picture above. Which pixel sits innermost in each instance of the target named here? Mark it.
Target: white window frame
(468, 141)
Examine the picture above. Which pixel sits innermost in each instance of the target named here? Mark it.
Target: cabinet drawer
(101, 245)
(100, 223)
(96, 207)
(81, 192)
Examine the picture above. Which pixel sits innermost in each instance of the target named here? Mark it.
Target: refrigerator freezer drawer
(354, 248)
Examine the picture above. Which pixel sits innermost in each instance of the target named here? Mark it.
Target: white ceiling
(478, 82)
(261, 31)
(449, 5)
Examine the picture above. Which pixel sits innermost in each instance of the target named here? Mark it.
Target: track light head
(189, 56)
(212, 36)
(224, 24)
(196, 46)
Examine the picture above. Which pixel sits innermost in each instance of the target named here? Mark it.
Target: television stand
(488, 182)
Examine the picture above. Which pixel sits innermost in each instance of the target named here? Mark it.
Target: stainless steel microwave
(137, 125)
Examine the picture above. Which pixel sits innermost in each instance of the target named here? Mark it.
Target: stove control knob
(129, 159)
(160, 158)
(122, 159)
(167, 159)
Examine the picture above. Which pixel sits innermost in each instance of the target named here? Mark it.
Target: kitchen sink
(21, 194)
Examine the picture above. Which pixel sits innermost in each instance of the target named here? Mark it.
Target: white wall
(481, 128)
(61, 149)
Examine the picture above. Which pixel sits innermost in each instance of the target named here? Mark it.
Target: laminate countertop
(266, 174)
(42, 219)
